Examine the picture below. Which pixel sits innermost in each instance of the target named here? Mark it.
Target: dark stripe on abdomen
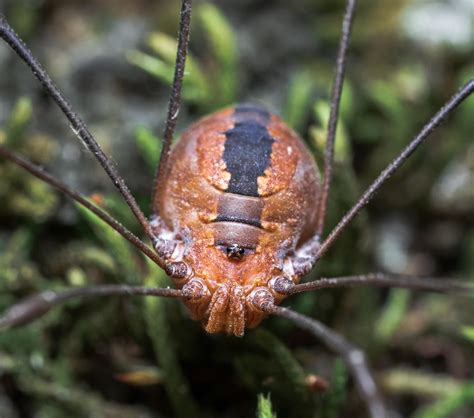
(247, 150)
(239, 219)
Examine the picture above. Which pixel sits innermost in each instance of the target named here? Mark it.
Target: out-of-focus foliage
(333, 401)
(459, 399)
(22, 194)
(210, 84)
(144, 357)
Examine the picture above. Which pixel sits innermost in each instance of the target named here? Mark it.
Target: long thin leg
(77, 125)
(353, 356)
(175, 99)
(379, 280)
(453, 102)
(47, 178)
(334, 114)
(34, 307)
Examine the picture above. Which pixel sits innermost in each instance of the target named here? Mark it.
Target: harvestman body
(239, 192)
(239, 210)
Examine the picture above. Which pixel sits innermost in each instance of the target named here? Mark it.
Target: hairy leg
(352, 356)
(82, 200)
(175, 98)
(334, 114)
(305, 264)
(76, 123)
(428, 284)
(34, 307)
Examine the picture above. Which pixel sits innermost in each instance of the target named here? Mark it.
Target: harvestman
(304, 258)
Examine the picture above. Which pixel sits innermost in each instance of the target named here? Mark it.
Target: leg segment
(333, 117)
(353, 356)
(77, 125)
(175, 98)
(34, 307)
(435, 121)
(287, 287)
(164, 245)
(79, 198)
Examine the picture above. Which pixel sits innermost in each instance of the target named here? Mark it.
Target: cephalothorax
(238, 213)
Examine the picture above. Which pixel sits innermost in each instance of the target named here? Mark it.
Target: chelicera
(238, 211)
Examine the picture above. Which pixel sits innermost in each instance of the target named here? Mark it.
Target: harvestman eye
(235, 161)
(235, 251)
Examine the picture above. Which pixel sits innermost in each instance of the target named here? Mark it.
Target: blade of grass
(264, 407)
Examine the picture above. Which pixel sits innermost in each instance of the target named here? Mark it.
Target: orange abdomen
(241, 193)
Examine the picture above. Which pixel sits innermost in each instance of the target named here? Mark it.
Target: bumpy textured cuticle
(282, 285)
(194, 290)
(262, 299)
(177, 270)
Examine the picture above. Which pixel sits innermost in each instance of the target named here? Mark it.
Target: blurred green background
(145, 358)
